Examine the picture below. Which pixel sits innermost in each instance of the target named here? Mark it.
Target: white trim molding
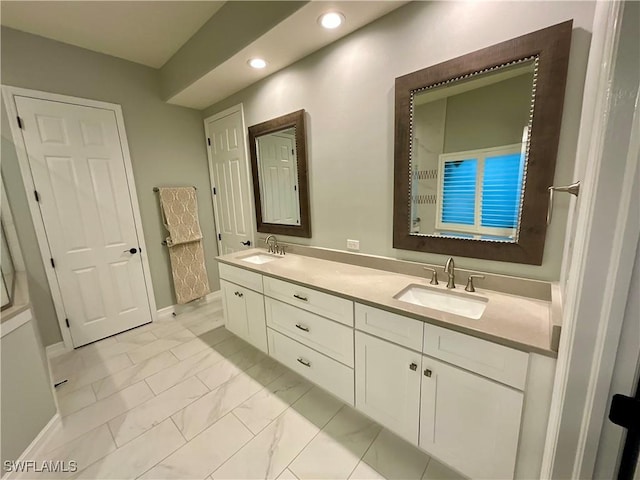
(9, 92)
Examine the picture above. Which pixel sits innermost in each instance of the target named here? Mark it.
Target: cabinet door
(235, 312)
(470, 422)
(388, 384)
(244, 314)
(256, 324)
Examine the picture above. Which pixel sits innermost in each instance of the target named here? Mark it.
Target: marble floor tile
(228, 368)
(85, 450)
(100, 353)
(133, 374)
(203, 324)
(134, 332)
(271, 451)
(183, 335)
(152, 349)
(230, 346)
(137, 456)
(201, 342)
(344, 440)
(138, 420)
(163, 329)
(206, 452)
(188, 367)
(65, 365)
(364, 471)
(394, 458)
(287, 475)
(217, 403)
(75, 400)
(266, 405)
(88, 375)
(437, 471)
(98, 413)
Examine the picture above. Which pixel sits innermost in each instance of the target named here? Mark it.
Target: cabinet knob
(238, 294)
(427, 373)
(413, 366)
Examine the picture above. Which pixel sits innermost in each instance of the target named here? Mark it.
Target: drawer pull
(299, 297)
(413, 366)
(304, 362)
(427, 373)
(304, 329)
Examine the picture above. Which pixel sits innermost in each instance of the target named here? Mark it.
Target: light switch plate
(353, 245)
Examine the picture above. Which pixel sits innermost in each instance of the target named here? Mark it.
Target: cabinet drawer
(335, 308)
(494, 361)
(328, 337)
(395, 328)
(324, 371)
(240, 276)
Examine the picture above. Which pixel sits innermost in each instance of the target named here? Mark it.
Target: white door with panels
(230, 180)
(75, 155)
(279, 179)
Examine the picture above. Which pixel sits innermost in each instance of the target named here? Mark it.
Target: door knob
(132, 251)
(247, 243)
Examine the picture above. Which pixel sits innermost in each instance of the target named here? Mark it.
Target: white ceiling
(146, 32)
(151, 32)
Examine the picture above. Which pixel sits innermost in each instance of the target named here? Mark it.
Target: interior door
(229, 174)
(76, 160)
(279, 179)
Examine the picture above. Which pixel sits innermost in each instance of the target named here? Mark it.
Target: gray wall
(348, 91)
(166, 144)
(27, 401)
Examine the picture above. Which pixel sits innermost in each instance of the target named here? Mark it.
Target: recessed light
(331, 20)
(257, 63)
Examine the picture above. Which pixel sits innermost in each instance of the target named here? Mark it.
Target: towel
(179, 207)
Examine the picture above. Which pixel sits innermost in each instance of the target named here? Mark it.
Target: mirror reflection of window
(468, 155)
(279, 177)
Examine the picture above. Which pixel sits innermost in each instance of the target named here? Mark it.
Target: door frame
(216, 216)
(593, 302)
(9, 93)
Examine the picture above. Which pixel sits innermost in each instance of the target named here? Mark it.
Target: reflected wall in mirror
(468, 156)
(279, 170)
(475, 148)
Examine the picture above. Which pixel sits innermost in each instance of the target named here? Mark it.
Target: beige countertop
(511, 320)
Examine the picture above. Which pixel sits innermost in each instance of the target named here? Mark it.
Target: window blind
(501, 189)
(459, 191)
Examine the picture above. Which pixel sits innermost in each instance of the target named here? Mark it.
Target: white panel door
(469, 422)
(228, 165)
(278, 179)
(388, 384)
(78, 169)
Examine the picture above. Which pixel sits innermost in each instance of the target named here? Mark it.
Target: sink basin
(259, 258)
(450, 302)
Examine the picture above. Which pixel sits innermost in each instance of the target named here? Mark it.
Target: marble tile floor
(183, 398)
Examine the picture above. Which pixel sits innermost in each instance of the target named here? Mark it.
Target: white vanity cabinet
(468, 421)
(388, 384)
(244, 307)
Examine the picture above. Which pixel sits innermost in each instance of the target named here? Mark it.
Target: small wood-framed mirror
(476, 139)
(278, 150)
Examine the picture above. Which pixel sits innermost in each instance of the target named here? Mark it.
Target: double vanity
(464, 376)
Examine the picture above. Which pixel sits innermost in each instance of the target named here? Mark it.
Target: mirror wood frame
(551, 45)
(297, 120)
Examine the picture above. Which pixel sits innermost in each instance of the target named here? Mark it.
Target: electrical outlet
(353, 245)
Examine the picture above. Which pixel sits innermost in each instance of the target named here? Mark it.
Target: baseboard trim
(55, 349)
(32, 450)
(166, 312)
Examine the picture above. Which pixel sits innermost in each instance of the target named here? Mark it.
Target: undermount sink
(450, 302)
(259, 258)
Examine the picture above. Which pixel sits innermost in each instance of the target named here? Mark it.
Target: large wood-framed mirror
(278, 150)
(476, 140)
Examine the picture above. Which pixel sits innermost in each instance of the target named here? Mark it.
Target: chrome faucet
(450, 270)
(273, 246)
